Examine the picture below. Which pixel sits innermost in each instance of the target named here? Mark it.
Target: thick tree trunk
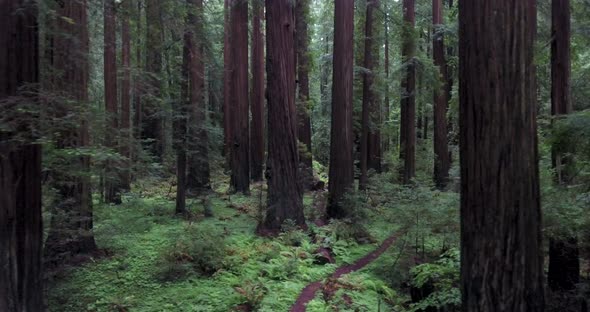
(408, 102)
(303, 100)
(198, 143)
(21, 230)
(501, 248)
(71, 219)
(125, 124)
(153, 125)
(240, 136)
(368, 93)
(112, 187)
(442, 163)
(257, 94)
(285, 199)
(561, 103)
(341, 172)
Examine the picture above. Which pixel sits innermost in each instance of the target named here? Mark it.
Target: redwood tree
(239, 119)
(501, 259)
(369, 127)
(21, 230)
(564, 261)
(285, 200)
(198, 142)
(341, 172)
(442, 161)
(71, 219)
(257, 93)
(408, 102)
(112, 191)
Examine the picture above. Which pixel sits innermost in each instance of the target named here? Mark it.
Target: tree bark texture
(303, 100)
(153, 125)
(21, 229)
(112, 178)
(408, 102)
(285, 199)
(240, 136)
(341, 172)
(71, 220)
(198, 175)
(501, 247)
(257, 94)
(442, 162)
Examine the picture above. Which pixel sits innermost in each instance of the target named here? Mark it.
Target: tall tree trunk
(227, 81)
(198, 158)
(153, 124)
(501, 241)
(442, 162)
(112, 187)
(561, 103)
(341, 172)
(408, 102)
(285, 200)
(21, 229)
(257, 94)
(240, 156)
(368, 93)
(564, 261)
(125, 124)
(71, 220)
(303, 101)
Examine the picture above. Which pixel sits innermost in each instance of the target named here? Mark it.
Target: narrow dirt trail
(308, 293)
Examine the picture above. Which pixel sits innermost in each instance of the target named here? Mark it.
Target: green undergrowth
(156, 261)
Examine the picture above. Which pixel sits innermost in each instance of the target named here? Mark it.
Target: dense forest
(294, 155)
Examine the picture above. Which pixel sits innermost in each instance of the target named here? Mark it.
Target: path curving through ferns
(308, 293)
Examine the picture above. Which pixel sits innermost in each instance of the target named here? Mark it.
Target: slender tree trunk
(125, 124)
(240, 156)
(341, 172)
(442, 163)
(257, 94)
(71, 220)
(21, 229)
(368, 94)
(303, 100)
(564, 261)
(501, 247)
(112, 187)
(285, 200)
(408, 102)
(198, 158)
(153, 125)
(227, 81)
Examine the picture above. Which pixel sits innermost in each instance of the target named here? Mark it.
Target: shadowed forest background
(294, 155)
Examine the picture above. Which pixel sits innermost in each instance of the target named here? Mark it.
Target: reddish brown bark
(112, 187)
(442, 162)
(198, 154)
(125, 123)
(303, 107)
(285, 199)
(341, 172)
(71, 219)
(21, 229)
(257, 94)
(368, 94)
(240, 137)
(153, 126)
(408, 102)
(501, 247)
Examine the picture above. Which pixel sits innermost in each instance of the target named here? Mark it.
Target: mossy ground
(269, 272)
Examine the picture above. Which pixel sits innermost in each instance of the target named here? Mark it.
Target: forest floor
(156, 261)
